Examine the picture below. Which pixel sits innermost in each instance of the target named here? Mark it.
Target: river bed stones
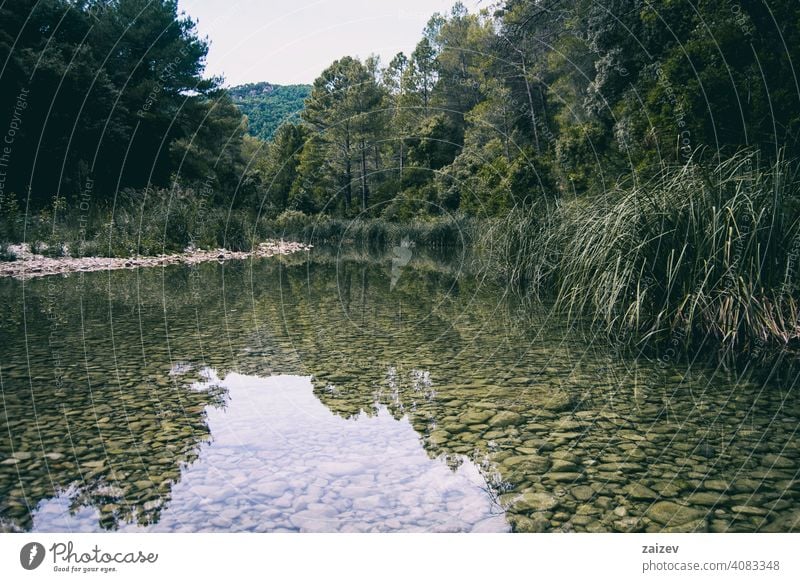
(749, 510)
(474, 417)
(786, 523)
(504, 419)
(582, 492)
(671, 513)
(778, 461)
(527, 463)
(705, 498)
(30, 265)
(558, 401)
(619, 467)
(529, 524)
(718, 485)
(639, 492)
(439, 437)
(671, 488)
(694, 526)
(455, 428)
(533, 501)
(565, 477)
(562, 466)
(630, 446)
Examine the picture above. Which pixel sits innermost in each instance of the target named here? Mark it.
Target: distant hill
(267, 106)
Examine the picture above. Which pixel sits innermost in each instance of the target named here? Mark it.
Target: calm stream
(334, 392)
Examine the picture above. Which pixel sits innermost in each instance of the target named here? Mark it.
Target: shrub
(291, 222)
(6, 254)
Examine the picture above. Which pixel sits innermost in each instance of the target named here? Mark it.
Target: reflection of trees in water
(351, 333)
(461, 354)
(119, 450)
(90, 413)
(112, 427)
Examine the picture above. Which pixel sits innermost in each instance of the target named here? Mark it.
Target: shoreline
(29, 265)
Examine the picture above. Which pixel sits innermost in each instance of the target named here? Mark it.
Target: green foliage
(292, 221)
(378, 233)
(436, 142)
(489, 111)
(268, 106)
(274, 166)
(344, 110)
(706, 256)
(11, 223)
(146, 223)
(529, 117)
(110, 94)
(6, 254)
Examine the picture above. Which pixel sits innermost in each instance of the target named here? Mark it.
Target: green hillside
(267, 106)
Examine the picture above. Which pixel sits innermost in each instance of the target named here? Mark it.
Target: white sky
(286, 42)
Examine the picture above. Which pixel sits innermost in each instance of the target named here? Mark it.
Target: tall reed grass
(707, 256)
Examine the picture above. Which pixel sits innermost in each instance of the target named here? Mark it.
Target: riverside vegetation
(626, 180)
(528, 235)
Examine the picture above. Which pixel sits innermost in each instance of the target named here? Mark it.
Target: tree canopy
(269, 106)
(110, 94)
(546, 99)
(490, 111)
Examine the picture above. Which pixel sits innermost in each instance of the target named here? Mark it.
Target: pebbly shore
(29, 265)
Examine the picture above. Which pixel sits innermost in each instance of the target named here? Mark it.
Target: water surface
(365, 393)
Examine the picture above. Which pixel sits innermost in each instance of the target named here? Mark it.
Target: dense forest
(490, 111)
(635, 159)
(542, 99)
(104, 95)
(269, 106)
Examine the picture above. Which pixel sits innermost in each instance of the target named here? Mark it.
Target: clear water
(364, 393)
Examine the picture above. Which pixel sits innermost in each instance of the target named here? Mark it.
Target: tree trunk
(347, 185)
(530, 104)
(348, 176)
(364, 191)
(402, 158)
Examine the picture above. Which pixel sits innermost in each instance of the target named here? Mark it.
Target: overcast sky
(292, 41)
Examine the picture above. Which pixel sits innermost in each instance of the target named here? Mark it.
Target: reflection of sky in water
(281, 461)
